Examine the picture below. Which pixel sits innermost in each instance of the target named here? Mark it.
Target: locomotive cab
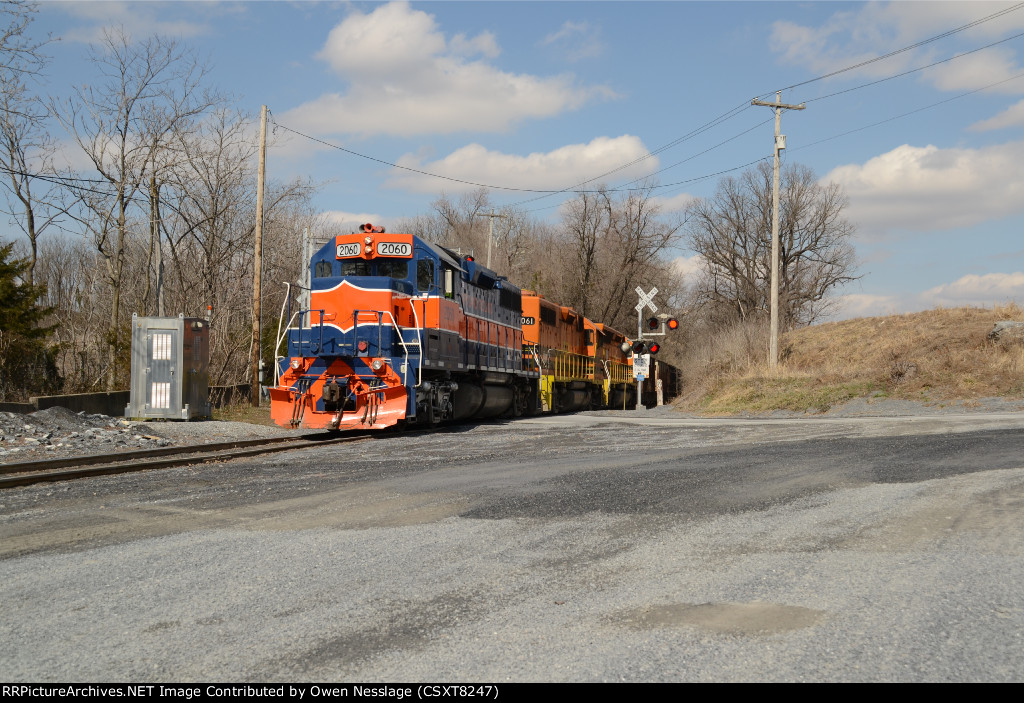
(399, 329)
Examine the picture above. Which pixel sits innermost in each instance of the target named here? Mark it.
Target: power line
(912, 112)
(915, 70)
(544, 192)
(64, 181)
(406, 168)
(910, 47)
(861, 64)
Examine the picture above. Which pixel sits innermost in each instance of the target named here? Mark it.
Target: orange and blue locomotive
(402, 330)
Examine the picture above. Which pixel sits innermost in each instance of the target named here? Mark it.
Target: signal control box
(170, 368)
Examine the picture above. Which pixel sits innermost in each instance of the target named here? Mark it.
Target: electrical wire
(904, 49)
(912, 112)
(729, 114)
(914, 70)
(63, 181)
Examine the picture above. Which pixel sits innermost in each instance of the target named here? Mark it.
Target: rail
(67, 468)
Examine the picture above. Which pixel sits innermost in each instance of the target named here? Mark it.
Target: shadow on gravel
(702, 482)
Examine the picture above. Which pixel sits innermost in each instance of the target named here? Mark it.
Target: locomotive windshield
(391, 268)
(356, 267)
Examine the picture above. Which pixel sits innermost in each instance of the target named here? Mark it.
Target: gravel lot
(640, 546)
(58, 432)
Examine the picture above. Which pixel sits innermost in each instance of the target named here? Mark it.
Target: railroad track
(63, 469)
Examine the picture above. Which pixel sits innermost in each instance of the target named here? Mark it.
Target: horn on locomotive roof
(370, 228)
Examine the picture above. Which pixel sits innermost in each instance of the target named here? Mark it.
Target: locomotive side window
(393, 268)
(356, 268)
(322, 269)
(547, 316)
(424, 275)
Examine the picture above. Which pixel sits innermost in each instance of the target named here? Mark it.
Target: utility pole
(490, 236)
(780, 144)
(257, 265)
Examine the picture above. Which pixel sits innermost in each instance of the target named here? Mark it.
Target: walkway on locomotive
(416, 306)
(573, 353)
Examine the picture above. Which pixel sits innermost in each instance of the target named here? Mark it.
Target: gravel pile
(59, 432)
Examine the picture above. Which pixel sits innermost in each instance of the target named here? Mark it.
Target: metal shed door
(162, 390)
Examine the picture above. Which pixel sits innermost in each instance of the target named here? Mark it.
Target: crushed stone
(59, 432)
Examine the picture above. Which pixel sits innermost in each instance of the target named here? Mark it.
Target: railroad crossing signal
(646, 299)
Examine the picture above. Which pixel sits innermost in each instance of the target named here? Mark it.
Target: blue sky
(544, 95)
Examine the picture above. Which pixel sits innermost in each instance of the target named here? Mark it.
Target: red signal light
(653, 349)
(653, 323)
(639, 347)
(672, 323)
(470, 258)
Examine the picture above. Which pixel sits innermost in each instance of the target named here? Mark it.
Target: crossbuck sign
(646, 299)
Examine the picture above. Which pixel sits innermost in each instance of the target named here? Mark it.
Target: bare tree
(19, 53)
(147, 90)
(637, 255)
(210, 204)
(27, 152)
(586, 222)
(208, 218)
(26, 148)
(732, 233)
(616, 244)
(463, 229)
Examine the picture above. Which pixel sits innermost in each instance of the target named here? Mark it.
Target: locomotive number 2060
(348, 250)
(394, 249)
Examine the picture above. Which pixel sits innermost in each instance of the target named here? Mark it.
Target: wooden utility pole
(490, 235)
(255, 353)
(780, 144)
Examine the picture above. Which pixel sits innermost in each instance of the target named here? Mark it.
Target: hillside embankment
(942, 358)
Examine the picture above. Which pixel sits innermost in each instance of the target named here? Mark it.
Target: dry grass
(933, 356)
(243, 412)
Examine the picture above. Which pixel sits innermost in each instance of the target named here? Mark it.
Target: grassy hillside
(936, 356)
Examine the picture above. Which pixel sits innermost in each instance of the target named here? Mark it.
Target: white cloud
(578, 40)
(865, 305)
(971, 72)
(1012, 116)
(689, 266)
(421, 83)
(973, 289)
(69, 155)
(139, 19)
(552, 170)
(350, 221)
(874, 29)
(987, 289)
(675, 203)
(484, 44)
(927, 188)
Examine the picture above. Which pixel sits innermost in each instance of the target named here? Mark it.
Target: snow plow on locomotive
(399, 330)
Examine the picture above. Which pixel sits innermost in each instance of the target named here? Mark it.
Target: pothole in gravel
(731, 618)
